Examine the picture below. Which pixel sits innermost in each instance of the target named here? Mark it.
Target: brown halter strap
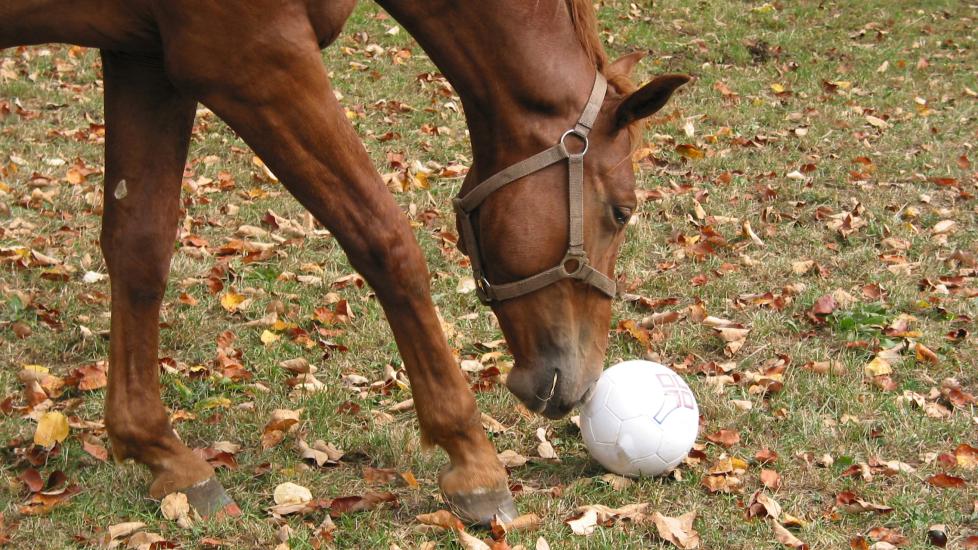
(575, 264)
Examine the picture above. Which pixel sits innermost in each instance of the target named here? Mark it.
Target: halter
(575, 264)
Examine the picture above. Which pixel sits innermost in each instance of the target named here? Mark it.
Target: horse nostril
(553, 389)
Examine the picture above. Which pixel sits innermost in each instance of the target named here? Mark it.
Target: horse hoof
(481, 506)
(210, 500)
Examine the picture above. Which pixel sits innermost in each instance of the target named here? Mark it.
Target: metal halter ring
(578, 135)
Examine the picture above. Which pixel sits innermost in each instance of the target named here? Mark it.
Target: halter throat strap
(575, 264)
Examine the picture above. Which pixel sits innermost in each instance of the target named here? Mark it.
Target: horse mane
(585, 23)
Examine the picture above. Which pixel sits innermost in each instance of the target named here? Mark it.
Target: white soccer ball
(641, 419)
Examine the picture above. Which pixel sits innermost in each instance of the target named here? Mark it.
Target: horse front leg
(278, 98)
(148, 127)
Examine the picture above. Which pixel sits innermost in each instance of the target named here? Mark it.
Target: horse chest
(328, 17)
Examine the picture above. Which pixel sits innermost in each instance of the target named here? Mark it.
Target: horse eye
(622, 214)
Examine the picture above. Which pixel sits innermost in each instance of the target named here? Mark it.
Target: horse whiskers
(553, 390)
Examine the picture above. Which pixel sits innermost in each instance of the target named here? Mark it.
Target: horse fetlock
(181, 472)
(479, 477)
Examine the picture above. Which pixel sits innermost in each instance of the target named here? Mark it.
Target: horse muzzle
(550, 388)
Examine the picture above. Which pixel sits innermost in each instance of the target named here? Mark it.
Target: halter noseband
(575, 264)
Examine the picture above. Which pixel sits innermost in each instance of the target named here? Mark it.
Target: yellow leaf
(690, 151)
(51, 428)
(231, 300)
(878, 367)
(421, 180)
(777, 88)
(37, 368)
(267, 337)
(213, 403)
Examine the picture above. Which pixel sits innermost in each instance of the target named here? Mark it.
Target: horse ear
(648, 99)
(626, 63)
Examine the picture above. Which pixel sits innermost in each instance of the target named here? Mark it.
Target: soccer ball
(641, 419)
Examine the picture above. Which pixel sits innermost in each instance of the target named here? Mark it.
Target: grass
(818, 67)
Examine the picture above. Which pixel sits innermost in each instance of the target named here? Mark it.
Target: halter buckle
(482, 289)
(579, 135)
(579, 257)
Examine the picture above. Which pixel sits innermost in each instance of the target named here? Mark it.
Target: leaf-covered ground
(804, 255)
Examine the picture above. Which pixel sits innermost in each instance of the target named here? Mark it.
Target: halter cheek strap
(575, 264)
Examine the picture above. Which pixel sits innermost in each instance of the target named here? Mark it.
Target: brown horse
(523, 71)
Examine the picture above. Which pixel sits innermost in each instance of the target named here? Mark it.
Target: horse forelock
(586, 26)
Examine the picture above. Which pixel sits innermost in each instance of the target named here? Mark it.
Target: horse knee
(394, 265)
(138, 265)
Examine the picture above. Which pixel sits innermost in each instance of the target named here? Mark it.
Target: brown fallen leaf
(583, 524)
(512, 459)
(469, 542)
(587, 518)
(786, 538)
(849, 502)
(946, 481)
(771, 479)
(176, 508)
(727, 438)
(42, 503)
(966, 456)
(148, 541)
(89, 377)
(888, 536)
(31, 479)
(357, 503)
(441, 518)
(822, 308)
(379, 476)
(94, 448)
(679, 531)
(279, 423)
(761, 505)
(119, 531)
(320, 453)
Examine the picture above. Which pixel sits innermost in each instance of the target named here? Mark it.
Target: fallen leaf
(849, 502)
(321, 453)
(469, 542)
(786, 538)
(52, 428)
(176, 507)
(512, 459)
(357, 503)
(727, 438)
(761, 505)
(93, 447)
(946, 481)
(291, 493)
(231, 301)
(771, 479)
(120, 531)
(966, 456)
(441, 518)
(679, 531)
(545, 449)
(279, 423)
(585, 524)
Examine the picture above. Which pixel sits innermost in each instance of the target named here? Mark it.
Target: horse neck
(521, 72)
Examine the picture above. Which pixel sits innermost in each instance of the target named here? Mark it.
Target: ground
(843, 133)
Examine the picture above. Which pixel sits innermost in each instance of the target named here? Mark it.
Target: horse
(541, 212)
